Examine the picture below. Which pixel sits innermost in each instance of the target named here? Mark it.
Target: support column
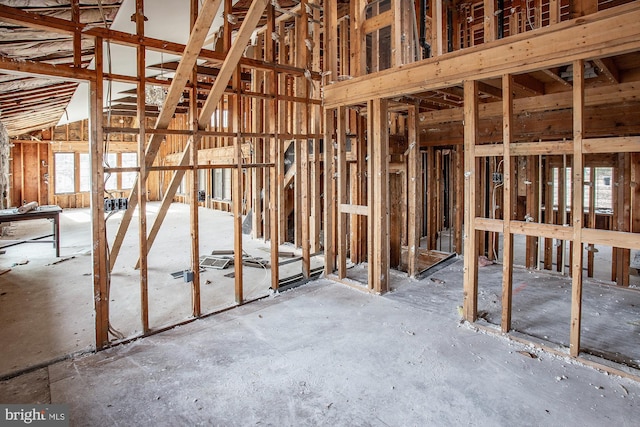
(380, 217)
(414, 192)
(329, 197)
(237, 185)
(195, 235)
(143, 175)
(470, 301)
(507, 246)
(341, 177)
(577, 206)
(98, 226)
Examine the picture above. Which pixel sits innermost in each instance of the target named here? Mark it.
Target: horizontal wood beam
(30, 68)
(63, 26)
(618, 239)
(489, 224)
(625, 92)
(549, 231)
(548, 47)
(354, 209)
(625, 144)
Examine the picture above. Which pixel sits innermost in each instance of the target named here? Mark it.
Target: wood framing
(470, 300)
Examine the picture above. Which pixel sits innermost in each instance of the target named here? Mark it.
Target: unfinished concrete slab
(47, 302)
(325, 354)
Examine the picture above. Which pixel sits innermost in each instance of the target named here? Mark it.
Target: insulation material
(4, 167)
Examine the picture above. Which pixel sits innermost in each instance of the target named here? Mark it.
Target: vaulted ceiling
(33, 103)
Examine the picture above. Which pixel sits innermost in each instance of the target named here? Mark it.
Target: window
(85, 172)
(129, 160)
(111, 180)
(202, 179)
(65, 181)
(602, 182)
(221, 183)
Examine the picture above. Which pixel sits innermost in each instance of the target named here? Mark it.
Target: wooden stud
(507, 245)
(432, 191)
(470, 301)
(142, 175)
(577, 207)
(331, 38)
(380, 218)
(329, 197)
(237, 188)
(548, 212)
(302, 121)
(459, 199)
(414, 182)
(532, 204)
(195, 186)
(341, 178)
(98, 225)
(490, 29)
(437, 26)
(372, 270)
(270, 113)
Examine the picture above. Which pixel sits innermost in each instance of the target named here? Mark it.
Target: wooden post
(432, 191)
(396, 33)
(414, 183)
(592, 218)
(194, 126)
(548, 212)
(302, 121)
(331, 38)
(470, 301)
(490, 31)
(532, 203)
(237, 186)
(437, 27)
(77, 36)
(507, 246)
(98, 226)
(459, 198)
(577, 206)
(380, 218)
(271, 127)
(329, 197)
(143, 174)
(341, 181)
(372, 271)
(356, 16)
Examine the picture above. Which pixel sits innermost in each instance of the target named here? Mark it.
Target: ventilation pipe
(426, 48)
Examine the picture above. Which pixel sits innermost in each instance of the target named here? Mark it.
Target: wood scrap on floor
(4, 270)
(60, 260)
(528, 354)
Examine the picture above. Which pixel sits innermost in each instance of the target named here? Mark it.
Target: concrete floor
(325, 354)
(47, 309)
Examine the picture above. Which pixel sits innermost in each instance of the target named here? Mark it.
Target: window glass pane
(85, 172)
(604, 186)
(217, 184)
(111, 161)
(64, 173)
(129, 160)
(202, 177)
(227, 184)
